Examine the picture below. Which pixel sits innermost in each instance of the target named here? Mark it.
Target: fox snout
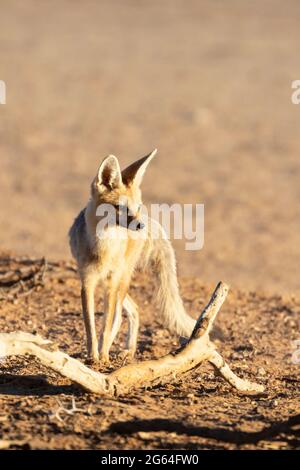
(131, 223)
(136, 225)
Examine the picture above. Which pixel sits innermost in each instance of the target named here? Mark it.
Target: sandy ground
(198, 411)
(208, 83)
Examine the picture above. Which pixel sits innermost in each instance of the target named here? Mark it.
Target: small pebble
(261, 371)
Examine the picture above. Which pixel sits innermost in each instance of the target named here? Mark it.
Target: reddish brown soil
(198, 411)
(208, 83)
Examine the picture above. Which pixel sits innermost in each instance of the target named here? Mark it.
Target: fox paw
(126, 356)
(104, 359)
(92, 361)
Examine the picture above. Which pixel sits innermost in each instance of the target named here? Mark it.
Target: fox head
(121, 189)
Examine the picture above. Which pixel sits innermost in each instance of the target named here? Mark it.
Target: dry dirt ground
(198, 411)
(207, 82)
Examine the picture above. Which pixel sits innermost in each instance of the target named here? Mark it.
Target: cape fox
(111, 259)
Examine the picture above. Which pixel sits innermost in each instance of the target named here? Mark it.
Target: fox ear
(109, 173)
(134, 173)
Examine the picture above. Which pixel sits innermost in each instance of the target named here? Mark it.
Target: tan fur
(111, 261)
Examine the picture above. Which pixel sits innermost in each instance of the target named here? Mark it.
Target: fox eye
(122, 209)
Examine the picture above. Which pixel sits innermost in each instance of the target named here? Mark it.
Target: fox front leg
(88, 310)
(117, 321)
(133, 326)
(106, 334)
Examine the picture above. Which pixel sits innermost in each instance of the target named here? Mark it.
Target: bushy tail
(171, 306)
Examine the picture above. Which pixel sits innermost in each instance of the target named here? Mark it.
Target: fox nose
(140, 226)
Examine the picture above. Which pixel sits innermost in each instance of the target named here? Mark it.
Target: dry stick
(223, 368)
(21, 343)
(146, 373)
(20, 282)
(195, 351)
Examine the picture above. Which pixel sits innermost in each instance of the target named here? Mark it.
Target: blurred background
(206, 82)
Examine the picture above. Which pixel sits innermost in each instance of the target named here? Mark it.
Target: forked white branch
(198, 349)
(62, 409)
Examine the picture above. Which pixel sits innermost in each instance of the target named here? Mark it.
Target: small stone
(261, 371)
